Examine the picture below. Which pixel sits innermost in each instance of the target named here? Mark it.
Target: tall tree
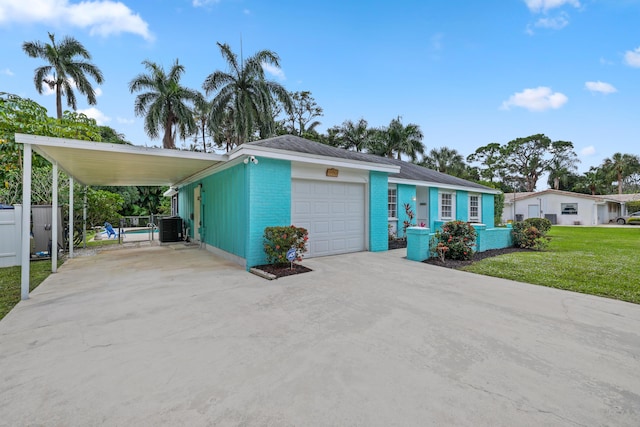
(491, 159)
(620, 166)
(593, 182)
(355, 136)
(245, 94)
(531, 156)
(166, 104)
(445, 160)
(301, 119)
(201, 112)
(561, 166)
(67, 66)
(405, 139)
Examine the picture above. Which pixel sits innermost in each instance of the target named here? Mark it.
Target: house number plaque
(332, 172)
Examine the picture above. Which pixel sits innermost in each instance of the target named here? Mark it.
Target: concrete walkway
(161, 336)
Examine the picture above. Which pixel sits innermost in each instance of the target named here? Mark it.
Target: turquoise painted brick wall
(493, 238)
(269, 203)
(406, 194)
(462, 205)
(488, 210)
(224, 210)
(434, 202)
(378, 212)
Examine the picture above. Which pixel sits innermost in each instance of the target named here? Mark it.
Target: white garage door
(332, 212)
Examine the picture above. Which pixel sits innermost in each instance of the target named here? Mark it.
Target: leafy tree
(528, 158)
(245, 95)
(354, 136)
(405, 139)
(201, 111)
(67, 66)
(620, 166)
(110, 135)
(445, 160)
(593, 182)
(490, 157)
(561, 166)
(165, 104)
(301, 120)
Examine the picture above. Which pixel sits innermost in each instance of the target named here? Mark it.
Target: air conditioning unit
(170, 229)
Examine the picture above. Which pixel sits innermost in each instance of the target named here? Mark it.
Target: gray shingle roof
(408, 170)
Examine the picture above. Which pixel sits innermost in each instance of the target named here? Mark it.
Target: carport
(98, 163)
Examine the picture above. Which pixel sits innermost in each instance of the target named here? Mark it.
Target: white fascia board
(208, 171)
(310, 158)
(443, 186)
(47, 141)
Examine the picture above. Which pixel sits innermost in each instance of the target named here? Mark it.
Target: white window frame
(475, 218)
(392, 201)
(452, 215)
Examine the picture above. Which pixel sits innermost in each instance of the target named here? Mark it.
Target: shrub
(542, 224)
(458, 237)
(278, 240)
(409, 221)
(528, 236)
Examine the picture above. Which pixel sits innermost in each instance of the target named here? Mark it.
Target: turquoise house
(348, 201)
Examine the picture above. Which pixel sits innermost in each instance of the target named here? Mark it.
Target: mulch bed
(283, 270)
(397, 244)
(478, 256)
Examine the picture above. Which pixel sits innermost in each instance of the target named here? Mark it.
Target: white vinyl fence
(10, 236)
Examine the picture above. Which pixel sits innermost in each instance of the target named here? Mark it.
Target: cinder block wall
(378, 219)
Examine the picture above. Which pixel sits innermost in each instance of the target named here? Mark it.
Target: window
(569, 208)
(474, 208)
(447, 207)
(393, 202)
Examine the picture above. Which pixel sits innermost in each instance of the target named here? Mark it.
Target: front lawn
(599, 261)
(10, 283)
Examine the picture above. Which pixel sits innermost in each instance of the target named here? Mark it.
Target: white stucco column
(26, 222)
(54, 220)
(70, 217)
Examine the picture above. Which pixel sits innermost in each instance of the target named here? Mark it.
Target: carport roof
(99, 163)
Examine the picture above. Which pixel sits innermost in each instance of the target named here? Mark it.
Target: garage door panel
(334, 214)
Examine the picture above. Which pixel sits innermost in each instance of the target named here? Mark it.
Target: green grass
(592, 260)
(10, 283)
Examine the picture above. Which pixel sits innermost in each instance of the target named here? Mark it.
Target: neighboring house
(564, 207)
(347, 200)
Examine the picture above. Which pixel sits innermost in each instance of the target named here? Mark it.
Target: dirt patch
(283, 270)
(478, 256)
(397, 244)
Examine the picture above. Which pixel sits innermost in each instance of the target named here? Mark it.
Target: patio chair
(110, 231)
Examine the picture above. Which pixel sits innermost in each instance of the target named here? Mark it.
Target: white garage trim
(334, 213)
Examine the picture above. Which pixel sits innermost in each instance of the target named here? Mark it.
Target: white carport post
(26, 221)
(54, 220)
(70, 217)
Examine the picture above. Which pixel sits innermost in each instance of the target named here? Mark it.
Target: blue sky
(468, 72)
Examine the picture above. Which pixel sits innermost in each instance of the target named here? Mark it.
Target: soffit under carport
(98, 163)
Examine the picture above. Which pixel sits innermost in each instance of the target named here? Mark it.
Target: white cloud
(202, 3)
(538, 99)
(538, 6)
(6, 72)
(601, 87)
(125, 121)
(100, 17)
(557, 23)
(94, 113)
(632, 57)
(274, 71)
(588, 151)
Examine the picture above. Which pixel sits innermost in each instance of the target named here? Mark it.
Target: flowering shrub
(409, 221)
(455, 241)
(278, 240)
(528, 236)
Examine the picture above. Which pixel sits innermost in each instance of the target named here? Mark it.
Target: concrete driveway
(157, 336)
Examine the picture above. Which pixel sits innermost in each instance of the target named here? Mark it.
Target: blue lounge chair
(110, 231)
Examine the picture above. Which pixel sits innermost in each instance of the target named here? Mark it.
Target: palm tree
(67, 67)
(620, 166)
(201, 111)
(246, 92)
(594, 181)
(165, 105)
(561, 167)
(445, 160)
(398, 139)
(355, 135)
